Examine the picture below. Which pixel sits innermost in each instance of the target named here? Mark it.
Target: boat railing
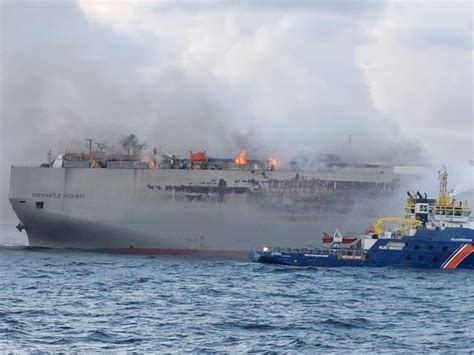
(349, 252)
(26, 165)
(298, 250)
(356, 254)
(346, 252)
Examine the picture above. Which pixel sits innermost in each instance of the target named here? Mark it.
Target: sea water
(56, 301)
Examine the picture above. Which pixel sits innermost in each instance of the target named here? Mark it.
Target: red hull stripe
(227, 254)
(459, 257)
(452, 255)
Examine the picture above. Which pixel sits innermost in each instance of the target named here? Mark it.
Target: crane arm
(406, 223)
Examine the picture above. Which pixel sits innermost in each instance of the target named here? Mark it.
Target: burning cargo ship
(197, 205)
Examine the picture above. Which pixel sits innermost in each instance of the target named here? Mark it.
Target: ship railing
(294, 250)
(315, 250)
(350, 253)
(26, 165)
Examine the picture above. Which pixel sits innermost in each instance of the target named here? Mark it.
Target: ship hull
(226, 213)
(452, 248)
(298, 259)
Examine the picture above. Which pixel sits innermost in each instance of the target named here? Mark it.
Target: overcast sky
(281, 77)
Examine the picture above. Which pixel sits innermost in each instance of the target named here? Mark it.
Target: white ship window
(39, 204)
(423, 208)
(22, 201)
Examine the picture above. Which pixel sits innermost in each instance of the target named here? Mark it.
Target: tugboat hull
(452, 248)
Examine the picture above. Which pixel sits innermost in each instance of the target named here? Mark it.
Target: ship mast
(443, 198)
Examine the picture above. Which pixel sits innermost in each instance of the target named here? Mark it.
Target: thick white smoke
(286, 78)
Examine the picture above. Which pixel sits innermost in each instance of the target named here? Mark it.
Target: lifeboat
(197, 156)
(328, 239)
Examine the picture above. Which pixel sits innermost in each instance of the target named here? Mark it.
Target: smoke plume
(282, 78)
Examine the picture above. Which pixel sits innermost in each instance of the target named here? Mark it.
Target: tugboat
(433, 234)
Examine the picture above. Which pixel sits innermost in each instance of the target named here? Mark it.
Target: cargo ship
(192, 205)
(432, 234)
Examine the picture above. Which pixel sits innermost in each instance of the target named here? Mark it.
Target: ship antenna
(101, 146)
(89, 145)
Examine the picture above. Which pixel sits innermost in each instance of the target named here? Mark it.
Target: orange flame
(241, 159)
(272, 163)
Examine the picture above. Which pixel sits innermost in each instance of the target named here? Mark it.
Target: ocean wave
(88, 302)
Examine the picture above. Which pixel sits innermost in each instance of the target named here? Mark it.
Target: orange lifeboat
(197, 156)
(327, 239)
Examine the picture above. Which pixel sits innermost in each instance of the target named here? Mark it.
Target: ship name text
(392, 246)
(58, 195)
(461, 239)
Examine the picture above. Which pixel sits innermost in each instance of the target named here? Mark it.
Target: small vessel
(433, 234)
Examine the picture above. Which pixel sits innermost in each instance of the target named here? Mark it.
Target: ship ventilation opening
(39, 204)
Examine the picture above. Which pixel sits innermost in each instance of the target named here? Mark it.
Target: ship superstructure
(197, 205)
(432, 234)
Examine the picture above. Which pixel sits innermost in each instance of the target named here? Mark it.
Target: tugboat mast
(443, 198)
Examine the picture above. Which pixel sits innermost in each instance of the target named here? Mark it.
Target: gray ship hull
(208, 212)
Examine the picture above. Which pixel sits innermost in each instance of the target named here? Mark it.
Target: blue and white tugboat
(433, 234)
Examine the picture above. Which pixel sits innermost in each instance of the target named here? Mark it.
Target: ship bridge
(443, 212)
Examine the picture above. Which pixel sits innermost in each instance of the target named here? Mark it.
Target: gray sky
(283, 77)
